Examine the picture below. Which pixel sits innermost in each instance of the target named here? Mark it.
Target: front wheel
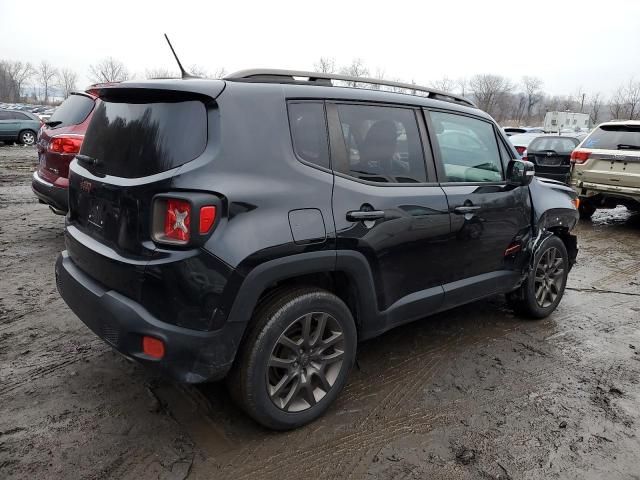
(296, 358)
(544, 287)
(27, 137)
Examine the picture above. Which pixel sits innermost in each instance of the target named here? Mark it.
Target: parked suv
(260, 226)
(16, 126)
(59, 141)
(606, 168)
(551, 154)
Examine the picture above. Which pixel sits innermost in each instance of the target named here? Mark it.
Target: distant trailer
(557, 121)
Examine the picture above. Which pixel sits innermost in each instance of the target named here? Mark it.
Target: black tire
(272, 342)
(544, 280)
(586, 210)
(27, 137)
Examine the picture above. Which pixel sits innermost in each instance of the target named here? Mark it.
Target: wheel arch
(346, 274)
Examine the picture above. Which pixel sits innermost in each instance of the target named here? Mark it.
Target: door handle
(363, 215)
(466, 209)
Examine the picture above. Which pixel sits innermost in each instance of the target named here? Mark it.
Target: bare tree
(355, 69)
(633, 99)
(463, 86)
(490, 91)
(20, 72)
(161, 72)
(596, 104)
(46, 75)
(445, 84)
(108, 70)
(67, 81)
(533, 94)
(8, 86)
(325, 65)
(617, 104)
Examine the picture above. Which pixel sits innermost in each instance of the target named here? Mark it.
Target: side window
(6, 116)
(382, 143)
(20, 116)
(309, 132)
(468, 148)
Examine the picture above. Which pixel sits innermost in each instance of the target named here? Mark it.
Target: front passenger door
(489, 218)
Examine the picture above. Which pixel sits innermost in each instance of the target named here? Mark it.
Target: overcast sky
(569, 44)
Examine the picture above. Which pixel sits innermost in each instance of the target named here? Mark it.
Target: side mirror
(520, 173)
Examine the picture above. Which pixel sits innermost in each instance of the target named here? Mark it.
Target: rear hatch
(613, 156)
(61, 136)
(137, 141)
(551, 154)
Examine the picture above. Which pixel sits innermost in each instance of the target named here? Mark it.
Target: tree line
(522, 102)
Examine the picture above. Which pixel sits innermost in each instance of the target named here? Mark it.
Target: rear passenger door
(387, 204)
(8, 126)
(487, 215)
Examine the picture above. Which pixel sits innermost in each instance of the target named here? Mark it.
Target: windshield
(556, 144)
(614, 137)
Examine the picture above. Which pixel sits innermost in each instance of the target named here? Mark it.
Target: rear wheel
(27, 137)
(586, 210)
(544, 287)
(296, 358)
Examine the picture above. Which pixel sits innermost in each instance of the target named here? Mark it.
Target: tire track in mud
(51, 362)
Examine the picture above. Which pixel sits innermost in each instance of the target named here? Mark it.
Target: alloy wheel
(549, 276)
(28, 138)
(305, 362)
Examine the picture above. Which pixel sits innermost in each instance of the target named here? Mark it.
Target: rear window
(140, 139)
(72, 111)
(614, 137)
(558, 145)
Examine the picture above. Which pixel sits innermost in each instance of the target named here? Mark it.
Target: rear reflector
(153, 347)
(579, 156)
(207, 217)
(177, 220)
(65, 144)
(512, 249)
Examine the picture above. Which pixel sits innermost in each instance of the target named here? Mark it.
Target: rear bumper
(563, 177)
(47, 192)
(586, 190)
(191, 356)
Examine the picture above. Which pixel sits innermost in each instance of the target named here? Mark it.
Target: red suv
(59, 140)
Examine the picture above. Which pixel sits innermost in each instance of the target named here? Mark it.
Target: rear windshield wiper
(626, 146)
(55, 123)
(86, 159)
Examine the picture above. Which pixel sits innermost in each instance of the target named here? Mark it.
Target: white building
(558, 121)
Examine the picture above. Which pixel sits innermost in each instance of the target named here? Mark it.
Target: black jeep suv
(258, 227)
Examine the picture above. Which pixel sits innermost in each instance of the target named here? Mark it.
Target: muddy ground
(472, 393)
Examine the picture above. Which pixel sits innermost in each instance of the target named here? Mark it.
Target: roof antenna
(183, 72)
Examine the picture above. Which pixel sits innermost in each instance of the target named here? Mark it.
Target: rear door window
(614, 137)
(73, 111)
(21, 116)
(468, 148)
(383, 143)
(140, 139)
(309, 132)
(555, 144)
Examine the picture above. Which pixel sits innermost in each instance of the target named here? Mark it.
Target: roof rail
(325, 79)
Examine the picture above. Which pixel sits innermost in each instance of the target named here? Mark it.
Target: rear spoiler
(172, 88)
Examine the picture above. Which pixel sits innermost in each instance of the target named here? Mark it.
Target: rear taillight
(183, 218)
(177, 220)
(521, 150)
(65, 144)
(579, 156)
